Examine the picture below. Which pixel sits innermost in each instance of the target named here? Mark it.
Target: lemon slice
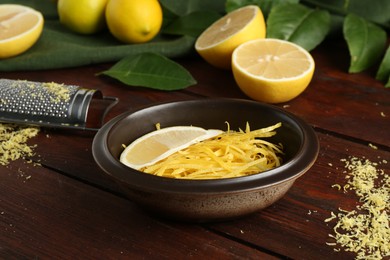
(159, 144)
(271, 70)
(217, 43)
(20, 28)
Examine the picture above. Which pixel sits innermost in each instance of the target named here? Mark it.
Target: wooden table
(68, 209)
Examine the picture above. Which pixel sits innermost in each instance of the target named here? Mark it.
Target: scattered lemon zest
(364, 230)
(13, 140)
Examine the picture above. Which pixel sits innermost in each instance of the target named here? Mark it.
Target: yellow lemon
(161, 143)
(217, 43)
(20, 28)
(271, 70)
(132, 21)
(82, 16)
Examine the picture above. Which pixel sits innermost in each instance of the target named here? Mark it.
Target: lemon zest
(364, 230)
(231, 154)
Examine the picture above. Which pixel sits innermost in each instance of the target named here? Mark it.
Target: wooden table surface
(68, 209)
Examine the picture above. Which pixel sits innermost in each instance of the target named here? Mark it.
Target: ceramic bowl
(206, 200)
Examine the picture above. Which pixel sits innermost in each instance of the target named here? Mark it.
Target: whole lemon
(82, 16)
(133, 21)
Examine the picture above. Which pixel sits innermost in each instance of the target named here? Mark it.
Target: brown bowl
(206, 200)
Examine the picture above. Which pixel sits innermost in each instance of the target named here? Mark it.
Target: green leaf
(299, 24)
(366, 42)
(265, 5)
(181, 8)
(388, 83)
(151, 70)
(47, 7)
(377, 11)
(383, 72)
(192, 24)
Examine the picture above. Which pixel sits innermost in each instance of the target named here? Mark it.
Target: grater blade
(53, 105)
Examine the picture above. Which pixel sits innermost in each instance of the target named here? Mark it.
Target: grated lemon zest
(13, 140)
(365, 230)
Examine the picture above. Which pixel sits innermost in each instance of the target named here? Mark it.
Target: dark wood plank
(294, 226)
(295, 217)
(45, 215)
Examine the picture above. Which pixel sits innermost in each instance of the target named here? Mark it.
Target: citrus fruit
(20, 28)
(272, 70)
(159, 144)
(217, 43)
(134, 21)
(82, 16)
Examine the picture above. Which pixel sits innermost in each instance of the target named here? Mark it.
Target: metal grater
(50, 104)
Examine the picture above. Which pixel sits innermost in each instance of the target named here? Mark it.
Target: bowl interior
(207, 115)
(298, 139)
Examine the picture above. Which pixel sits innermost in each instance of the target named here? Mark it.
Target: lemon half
(20, 28)
(272, 70)
(217, 43)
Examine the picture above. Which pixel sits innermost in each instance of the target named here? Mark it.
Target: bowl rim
(292, 169)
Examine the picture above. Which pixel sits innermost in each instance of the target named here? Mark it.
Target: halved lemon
(20, 28)
(159, 144)
(217, 42)
(272, 70)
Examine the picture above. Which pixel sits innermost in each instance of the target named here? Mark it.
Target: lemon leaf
(298, 24)
(388, 83)
(47, 7)
(366, 42)
(151, 70)
(377, 11)
(192, 24)
(265, 5)
(181, 8)
(383, 72)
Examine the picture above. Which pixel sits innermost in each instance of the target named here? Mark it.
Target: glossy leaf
(377, 11)
(192, 24)
(265, 5)
(383, 73)
(181, 8)
(151, 70)
(48, 8)
(366, 42)
(387, 85)
(299, 24)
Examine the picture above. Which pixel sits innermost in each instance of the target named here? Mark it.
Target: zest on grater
(52, 104)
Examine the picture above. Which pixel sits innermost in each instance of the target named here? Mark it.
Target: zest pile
(364, 230)
(13, 142)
